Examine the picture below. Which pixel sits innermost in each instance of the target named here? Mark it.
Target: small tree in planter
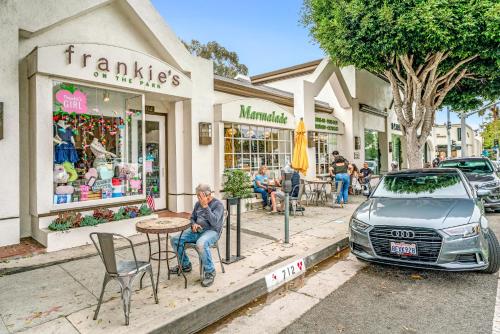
(237, 185)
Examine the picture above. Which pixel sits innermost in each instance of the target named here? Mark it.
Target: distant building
(474, 141)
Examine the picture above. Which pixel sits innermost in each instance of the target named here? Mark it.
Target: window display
(247, 147)
(97, 143)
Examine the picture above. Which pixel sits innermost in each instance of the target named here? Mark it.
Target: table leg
(179, 261)
(159, 263)
(149, 258)
(166, 254)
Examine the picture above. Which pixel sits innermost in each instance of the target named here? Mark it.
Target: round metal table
(163, 226)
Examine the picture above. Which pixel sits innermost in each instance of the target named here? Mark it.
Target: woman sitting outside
(353, 172)
(340, 170)
(261, 186)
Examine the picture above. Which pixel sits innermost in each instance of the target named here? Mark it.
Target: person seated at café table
(262, 186)
(295, 187)
(365, 174)
(206, 222)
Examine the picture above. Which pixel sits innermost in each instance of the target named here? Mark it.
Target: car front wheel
(493, 250)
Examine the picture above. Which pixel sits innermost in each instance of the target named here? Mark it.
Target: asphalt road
(382, 299)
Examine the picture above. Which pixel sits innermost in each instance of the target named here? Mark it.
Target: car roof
(465, 159)
(426, 171)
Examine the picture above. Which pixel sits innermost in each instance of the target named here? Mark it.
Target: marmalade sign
(246, 112)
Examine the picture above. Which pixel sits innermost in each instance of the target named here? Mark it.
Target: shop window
(324, 145)
(97, 143)
(248, 147)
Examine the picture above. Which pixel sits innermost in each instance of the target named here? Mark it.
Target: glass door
(155, 163)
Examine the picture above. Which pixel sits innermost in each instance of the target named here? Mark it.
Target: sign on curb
(285, 274)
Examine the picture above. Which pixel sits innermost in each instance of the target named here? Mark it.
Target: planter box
(58, 240)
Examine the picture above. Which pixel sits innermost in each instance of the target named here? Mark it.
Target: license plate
(402, 248)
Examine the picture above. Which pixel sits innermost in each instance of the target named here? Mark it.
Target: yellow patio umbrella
(300, 162)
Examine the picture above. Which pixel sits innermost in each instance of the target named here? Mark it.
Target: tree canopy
(433, 52)
(226, 63)
(491, 132)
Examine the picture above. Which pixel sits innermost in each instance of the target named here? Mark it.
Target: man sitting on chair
(206, 222)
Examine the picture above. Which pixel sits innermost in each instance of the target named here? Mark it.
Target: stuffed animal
(91, 173)
(60, 174)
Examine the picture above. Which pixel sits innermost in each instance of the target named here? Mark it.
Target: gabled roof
(143, 11)
(286, 72)
(247, 89)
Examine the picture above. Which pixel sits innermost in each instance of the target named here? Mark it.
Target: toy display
(89, 148)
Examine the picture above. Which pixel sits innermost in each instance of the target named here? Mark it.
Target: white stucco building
(474, 141)
(102, 104)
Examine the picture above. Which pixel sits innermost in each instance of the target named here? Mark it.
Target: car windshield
(421, 185)
(469, 166)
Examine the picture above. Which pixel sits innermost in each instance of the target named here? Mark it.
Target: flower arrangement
(67, 220)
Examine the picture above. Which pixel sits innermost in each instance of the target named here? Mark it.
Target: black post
(230, 259)
(238, 229)
(228, 233)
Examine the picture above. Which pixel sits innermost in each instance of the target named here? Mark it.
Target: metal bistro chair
(124, 272)
(295, 201)
(192, 245)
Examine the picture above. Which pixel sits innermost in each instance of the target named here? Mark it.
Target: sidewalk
(61, 298)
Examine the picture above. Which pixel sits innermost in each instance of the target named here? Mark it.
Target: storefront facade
(101, 124)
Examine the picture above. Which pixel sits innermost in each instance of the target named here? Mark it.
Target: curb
(213, 312)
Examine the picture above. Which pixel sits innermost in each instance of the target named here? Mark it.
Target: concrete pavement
(62, 296)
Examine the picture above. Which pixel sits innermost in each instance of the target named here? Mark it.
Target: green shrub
(145, 210)
(91, 221)
(237, 184)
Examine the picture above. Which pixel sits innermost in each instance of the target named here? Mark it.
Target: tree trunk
(413, 149)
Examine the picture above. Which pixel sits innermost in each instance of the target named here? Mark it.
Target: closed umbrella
(300, 162)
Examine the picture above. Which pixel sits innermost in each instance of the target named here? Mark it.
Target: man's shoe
(175, 270)
(208, 279)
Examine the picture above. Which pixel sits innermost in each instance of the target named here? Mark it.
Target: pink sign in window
(72, 102)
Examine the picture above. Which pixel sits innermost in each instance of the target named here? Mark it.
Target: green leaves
(237, 184)
(226, 63)
(370, 33)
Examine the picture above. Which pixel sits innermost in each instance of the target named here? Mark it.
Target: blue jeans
(264, 194)
(203, 242)
(344, 191)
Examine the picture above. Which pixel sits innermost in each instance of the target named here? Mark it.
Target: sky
(266, 34)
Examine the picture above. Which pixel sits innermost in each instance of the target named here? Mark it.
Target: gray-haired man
(206, 223)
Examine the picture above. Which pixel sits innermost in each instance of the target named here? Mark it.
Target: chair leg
(155, 293)
(201, 265)
(220, 258)
(126, 298)
(104, 283)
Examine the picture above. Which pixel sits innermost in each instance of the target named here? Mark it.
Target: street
(355, 297)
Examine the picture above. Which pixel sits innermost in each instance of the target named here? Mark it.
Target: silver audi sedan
(426, 218)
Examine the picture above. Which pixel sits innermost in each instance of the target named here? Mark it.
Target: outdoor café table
(163, 226)
(319, 188)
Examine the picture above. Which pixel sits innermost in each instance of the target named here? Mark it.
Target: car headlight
(490, 184)
(463, 231)
(359, 225)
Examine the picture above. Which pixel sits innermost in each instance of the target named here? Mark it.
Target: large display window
(247, 147)
(97, 143)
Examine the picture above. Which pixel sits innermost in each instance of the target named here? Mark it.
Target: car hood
(422, 212)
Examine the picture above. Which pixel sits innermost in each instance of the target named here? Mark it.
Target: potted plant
(237, 185)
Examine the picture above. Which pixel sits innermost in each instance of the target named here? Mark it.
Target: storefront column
(385, 157)
(304, 107)
(179, 164)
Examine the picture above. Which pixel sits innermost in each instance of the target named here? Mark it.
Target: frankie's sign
(111, 65)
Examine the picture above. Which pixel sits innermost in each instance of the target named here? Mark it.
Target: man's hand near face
(202, 198)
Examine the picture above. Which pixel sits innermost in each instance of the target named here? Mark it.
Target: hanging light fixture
(105, 96)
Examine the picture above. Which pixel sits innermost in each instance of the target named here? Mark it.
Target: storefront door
(156, 160)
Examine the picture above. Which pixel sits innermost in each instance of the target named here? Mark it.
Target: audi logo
(405, 234)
